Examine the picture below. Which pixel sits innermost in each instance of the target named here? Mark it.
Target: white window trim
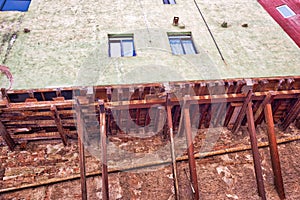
(288, 8)
(182, 36)
(119, 38)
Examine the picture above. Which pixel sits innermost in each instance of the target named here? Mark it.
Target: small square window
(285, 11)
(14, 5)
(169, 1)
(121, 45)
(181, 43)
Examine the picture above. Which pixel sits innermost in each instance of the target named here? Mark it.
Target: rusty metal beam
(190, 145)
(7, 138)
(173, 155)
(274, 151)
(292, 115)
(105, 191)
(255, 152)
(81, 152)
(59, 125)
(259, 113)
(242, 112)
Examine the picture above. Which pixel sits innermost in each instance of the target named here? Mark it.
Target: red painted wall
(290, 25)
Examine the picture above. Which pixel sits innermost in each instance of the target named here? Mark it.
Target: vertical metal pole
(81, 152)
(255, 152)
(192, 163)
(274, 152)
(105, 192)
(174, 165)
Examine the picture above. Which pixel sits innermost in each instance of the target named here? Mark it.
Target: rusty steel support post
(81, 152)
(105, 192)
(59, 125)
(173, 155)
(292, 115)
(82, 170)
(274, 152)
(192, 162)
(241, 114)
(7, 138)
(255, 152)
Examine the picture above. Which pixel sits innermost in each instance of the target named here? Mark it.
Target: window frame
(12, 5)
(169, 1)
(182, 37)
(121, 39)
(291, 12)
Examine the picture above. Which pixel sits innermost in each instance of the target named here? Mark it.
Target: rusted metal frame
(242, 112)
(202, 88)
(239, 85)
(180, 129)
(39, 123)
(230, 110)
(203, 99)
(81, 151)
(254, 109)
(276, 107)
(255, 152)
(147, 120)
(220, 116)
(105, 191)
(148, 103)
(190, 145)
(5, 96)
(290, 83)
(274, 151)
(203, 114)
(7, 137)
(173, 155)
(229, 87)
(41, 136)
(59, 125)
(207, 116)
(292, 115)
(279, 85)
(213, 113)
(259, 114)
(195, 114)
(160, 120)
(137, 118)
(177, 115)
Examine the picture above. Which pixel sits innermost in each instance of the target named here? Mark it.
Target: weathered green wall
(67, 44)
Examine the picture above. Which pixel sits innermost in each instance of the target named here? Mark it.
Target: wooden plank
(190, 145)
(103, 136)
(255, 152)
(242, 112)
(291, 116)
(81, 153)
(173, 155)
(7, 138)
(59, 125)
(274, 151)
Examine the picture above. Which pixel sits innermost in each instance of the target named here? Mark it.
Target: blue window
(14, 5)
(121, 45)
(181, 43)
(169, 2)
(285, 11)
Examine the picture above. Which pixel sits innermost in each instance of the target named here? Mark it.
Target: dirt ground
(227, 176)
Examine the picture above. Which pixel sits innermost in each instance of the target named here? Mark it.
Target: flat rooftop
(67, 44)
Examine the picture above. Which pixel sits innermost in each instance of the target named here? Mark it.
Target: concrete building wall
(68, 42)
